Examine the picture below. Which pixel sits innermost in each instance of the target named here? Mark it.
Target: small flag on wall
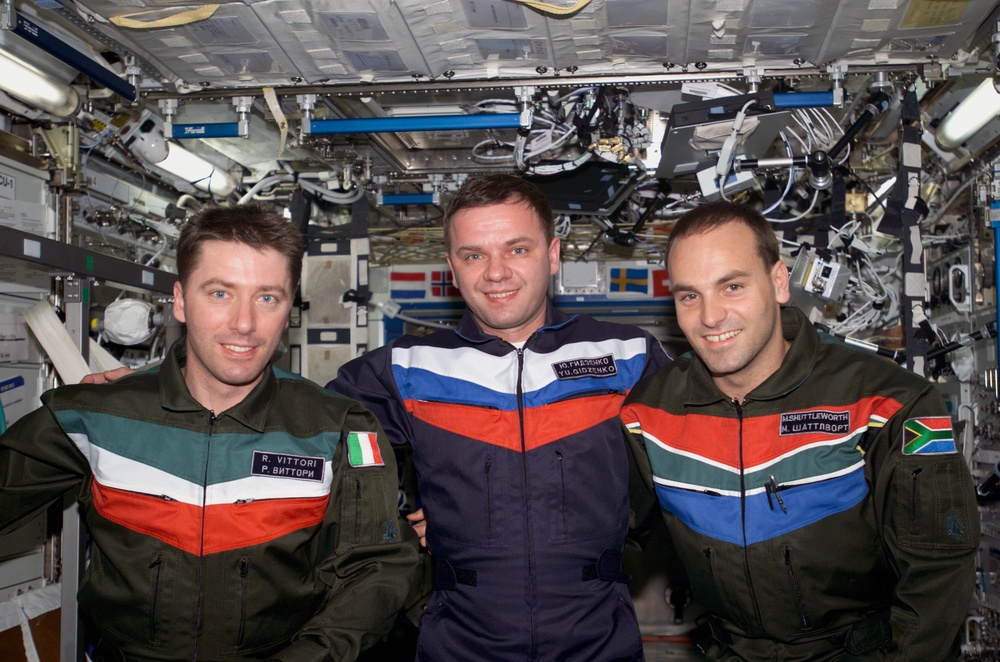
(408, 285)
(661, 285)
(629, 280)
(443, 285)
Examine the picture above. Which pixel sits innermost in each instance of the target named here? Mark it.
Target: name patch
(820, 421)
(598, 366)
(283, 465)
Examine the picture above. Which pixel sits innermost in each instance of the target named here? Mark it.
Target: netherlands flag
(408, 285)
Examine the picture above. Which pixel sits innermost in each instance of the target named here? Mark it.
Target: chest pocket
(465, 486)
(586, 483)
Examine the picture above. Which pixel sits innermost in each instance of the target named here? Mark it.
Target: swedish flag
(629, 280)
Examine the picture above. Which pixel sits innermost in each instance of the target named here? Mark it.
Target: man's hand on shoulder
(106, 377)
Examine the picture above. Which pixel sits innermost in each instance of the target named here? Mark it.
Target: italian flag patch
(362, 450)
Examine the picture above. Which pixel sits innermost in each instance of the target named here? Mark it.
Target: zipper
(562, 486)
(155, 566)
(743, 488)
(743, 518)
(795, 587)
(489, 498)
(913, 495)
(357, 508)
(590, 394)
(244, 586)
(201, 551)
(525, 506)
(161, 497)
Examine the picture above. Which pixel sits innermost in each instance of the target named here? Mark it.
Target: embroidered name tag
(283, 465)
(598, 366)
(820, 421)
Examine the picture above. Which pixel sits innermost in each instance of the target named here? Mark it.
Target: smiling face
(235, 305)
(728, 305)
(502, 264)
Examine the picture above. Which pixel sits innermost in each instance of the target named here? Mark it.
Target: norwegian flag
(443, 285)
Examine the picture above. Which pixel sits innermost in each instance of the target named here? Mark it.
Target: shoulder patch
(928, 436)
(363, 450)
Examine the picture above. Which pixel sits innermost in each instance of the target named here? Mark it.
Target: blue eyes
(222, 294)
(479, 256)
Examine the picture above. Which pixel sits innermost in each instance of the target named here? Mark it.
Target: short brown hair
(499, 189)
(711, 215)
(255, 224)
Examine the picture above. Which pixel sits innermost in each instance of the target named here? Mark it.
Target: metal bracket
(8, 15)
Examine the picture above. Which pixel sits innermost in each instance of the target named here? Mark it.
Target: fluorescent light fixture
(976, 111)
(181, 163)
(29, 85)
(37, 35)
(192, 168)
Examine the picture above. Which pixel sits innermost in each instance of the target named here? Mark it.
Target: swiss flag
(661, 288)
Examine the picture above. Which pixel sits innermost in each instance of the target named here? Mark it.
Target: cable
(800, 216)
(391, 310)
(791, 176)
(728, 151)
(808, 131)
(563, 225)
(320, 191)
(493, 144)
(262, 184)
(332, 196)
(932, 220)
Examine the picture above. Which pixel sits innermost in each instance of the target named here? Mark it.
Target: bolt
(700, 65)
(541, 69)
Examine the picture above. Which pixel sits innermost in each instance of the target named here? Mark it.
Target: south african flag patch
(928, 436)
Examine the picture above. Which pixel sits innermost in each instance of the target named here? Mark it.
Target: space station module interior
(866, 131)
